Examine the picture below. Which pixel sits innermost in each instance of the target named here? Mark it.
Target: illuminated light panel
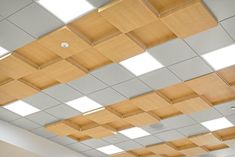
(67, 10)
(221, 58)
(110, 149)
(3, 51)
(217, 124)
(141, 64)
(21, 108)
(84, 104)
(135, 132)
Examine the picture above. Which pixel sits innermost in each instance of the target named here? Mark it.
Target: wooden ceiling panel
(189, 19)
(79, 136)
(17, 89)
(162, 149)
(192, 105)
(83, 122)
(98, 132)
(226, 134)
(228, 74)
(93, 26)
(127, 15)
(215, 147)
(53, 42)
(153, 34)
(212, 87)
(149, 101)
(5, 98)
(182, 144)
(165, 112)
(118, 125)
(125, 154)
(90, 59)
(205, 139)
(14, 67)
(119, 47)
(142, 152)
(194, 151)
(37, 54)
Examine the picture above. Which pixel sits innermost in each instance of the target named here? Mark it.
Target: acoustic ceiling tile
(63, 140)
(169, 135)
(190, 19)
(44, 23)
(191, 68)
(98, 3)
(231, 118)
(94, 152)
(112, 74)
(95, 143)
(62, 111)
(87, 84)
(106, 96)
(132, 88)
(25, 124)
(209, 40)
(7, 115)
(129, 145)
(62, 92)
(206, 115)
(79, 147)
(172, 52)
(228, 25)
(55, 40)
(41, 101)
(116, 138)
(13, 37)
(148, 140)
(178, 121)
(223, 152)
(119, 47)
(192, 130)
(156, 128)
(127, 18)
(42, 118)
(159, 78)
(220, 12)
(43, 132)
(226, 108)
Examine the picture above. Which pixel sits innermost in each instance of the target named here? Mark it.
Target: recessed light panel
(141, 64)
(135, 132)
(3, 51)
(221, 58)
(84, 104)
(217, 124)
(111, 149)
(67, 10)
(21, 108)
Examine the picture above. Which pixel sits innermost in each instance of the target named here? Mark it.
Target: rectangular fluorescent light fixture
(221, 58)
(111, 149)
(217, 124)
(67, 10)
(141, 64)
(84, 104)
(135, 132)
(3, 51)
(21, 108)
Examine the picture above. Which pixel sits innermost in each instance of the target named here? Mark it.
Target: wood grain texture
(98, 132)
(166, 112)
(119, 48)
(189, 20)
(127, 15)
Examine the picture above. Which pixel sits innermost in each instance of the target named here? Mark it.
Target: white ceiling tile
(94, 152)
(178, 121)
(223, 152)
(42, 24)
(41, 118)
(222, 9)
(172, 52)
(62, 92)
(230, 143)
(229, 26)
(206, 115)
(231, 118)
(225, 108)
(112, 74)
(95, 143)
(25, 124)
(106, 96)
(191, 68)
(87, 84)
(43, 132)
(132, 88)
(156, 128)
(9, 7)
(79, 147)
(41, 101)
(116, 138)
(159, 78)
(1, 18)
(63, 140)
(148, 140)
(98, 3)
(169, 135)
(128, 145)
(62, 111)
(209, 40)
(193, 130)
(12, 37)
(8, 115)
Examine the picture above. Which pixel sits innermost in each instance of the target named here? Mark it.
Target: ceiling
(56, 62)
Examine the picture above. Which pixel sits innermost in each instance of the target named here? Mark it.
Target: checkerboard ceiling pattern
(41, 73)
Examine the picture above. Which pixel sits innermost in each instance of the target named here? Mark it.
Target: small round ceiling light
(64, 45)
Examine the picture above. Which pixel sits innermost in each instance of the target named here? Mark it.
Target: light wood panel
(127, 15)
(228, 74)
(142, 152)
(118, 125)
(93, 26)
(215, 147)
(182, 144)
(189, 19)
(212, 87)
(53, 42)
(205, 139)
(5, 98)
(125, 154)
(226, 134)
(119, 47)
(165, 112)
(162, 149)
(193, 151)
(79, 136)
(98, 132)
(153, 34)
